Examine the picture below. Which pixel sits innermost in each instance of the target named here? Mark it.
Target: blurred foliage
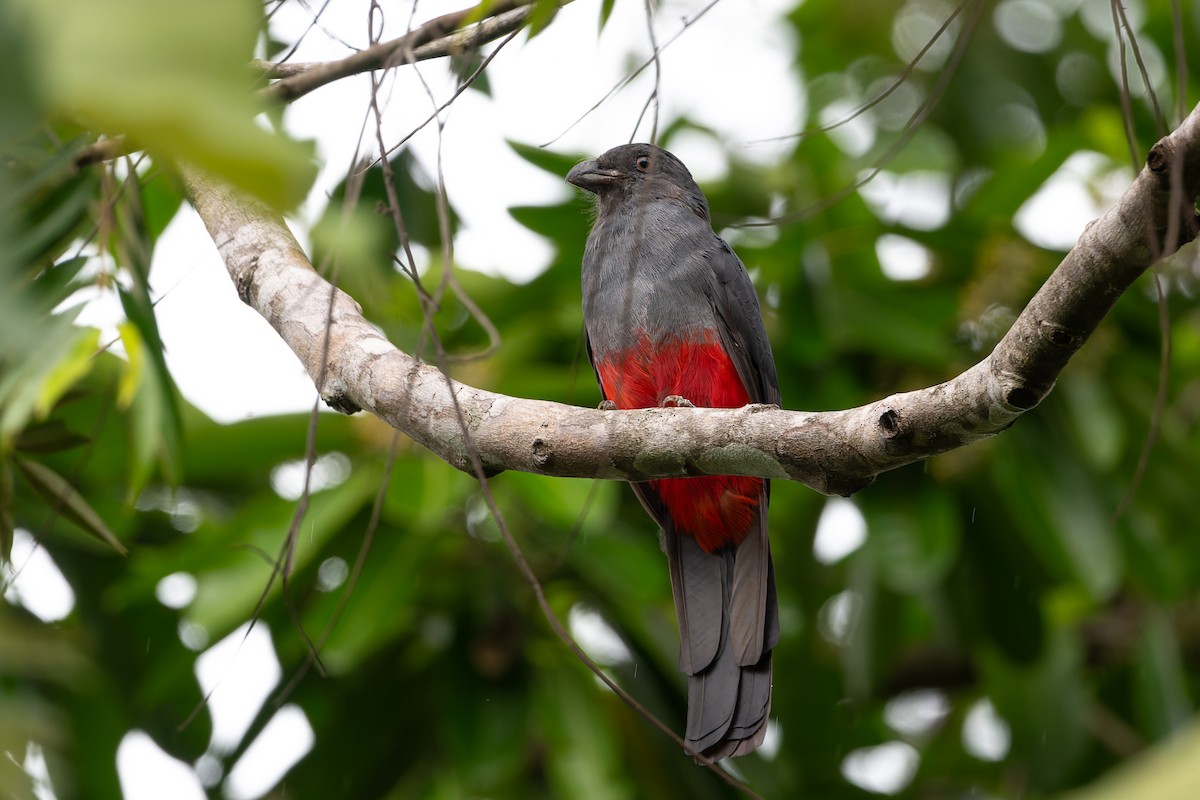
(174, 79)
(1000, 572)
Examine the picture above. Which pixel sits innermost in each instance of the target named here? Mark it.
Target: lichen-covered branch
(836, 452)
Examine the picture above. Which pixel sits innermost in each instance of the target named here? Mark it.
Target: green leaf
(56, 284)
(557, 164)
(173, 78)
(606, 9)
(585, 761)
(64, 499)
(58, 353)
(1169, 771)
(161, 199)
(48, 437)
(464, 65)
(21, 103)
(233, 578)
(1096, 423)
(68, 370)
(58, 208)
(1055, 507)
(915, 536)
(544, 12)
(1045, 705)
(6, 509)
(157, 430)
(1160, 688)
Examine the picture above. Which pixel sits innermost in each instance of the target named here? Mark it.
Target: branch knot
(1059, 336)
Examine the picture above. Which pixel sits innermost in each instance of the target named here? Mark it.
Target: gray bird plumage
(654, 271)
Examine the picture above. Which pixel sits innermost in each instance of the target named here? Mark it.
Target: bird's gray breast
(647, 271)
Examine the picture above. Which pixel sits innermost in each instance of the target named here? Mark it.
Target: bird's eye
(643, 163)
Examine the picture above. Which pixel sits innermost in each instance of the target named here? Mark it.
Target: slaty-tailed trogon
(670, 313)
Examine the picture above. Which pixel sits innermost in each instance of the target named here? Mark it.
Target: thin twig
(910, 129)
(360, 561)
(1122, 28)
(655, 93)
(504, 16)
(628, 79)
(1181, 71)
(462, 88)
(1126, 102)
(862, 108)
(1159, 120)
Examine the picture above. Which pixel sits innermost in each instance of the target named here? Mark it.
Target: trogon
(672, 318)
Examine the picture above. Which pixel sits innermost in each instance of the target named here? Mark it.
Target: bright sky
(232, 365)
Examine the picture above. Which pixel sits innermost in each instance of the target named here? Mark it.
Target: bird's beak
(589, 175)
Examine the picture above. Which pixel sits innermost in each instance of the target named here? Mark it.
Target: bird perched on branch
(672, 319)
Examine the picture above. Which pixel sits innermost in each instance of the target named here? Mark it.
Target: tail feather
(748, 727)
(748, 601)
(717, 596)
(712, 703)
(699, 610)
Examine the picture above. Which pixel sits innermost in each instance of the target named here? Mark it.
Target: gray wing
(739, 320)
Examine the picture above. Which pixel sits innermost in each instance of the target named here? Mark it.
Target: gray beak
(590, 176)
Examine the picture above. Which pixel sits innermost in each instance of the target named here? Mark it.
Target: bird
(671, 318)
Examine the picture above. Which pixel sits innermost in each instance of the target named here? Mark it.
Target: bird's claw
(607, 405)
(676, 401)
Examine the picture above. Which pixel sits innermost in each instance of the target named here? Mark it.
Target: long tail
(728, 622)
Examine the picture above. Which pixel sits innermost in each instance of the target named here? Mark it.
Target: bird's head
(639, 173)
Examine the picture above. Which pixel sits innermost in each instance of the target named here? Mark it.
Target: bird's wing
(739, 321)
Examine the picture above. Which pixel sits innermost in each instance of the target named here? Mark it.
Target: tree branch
(434, 39)
(437, 37)
(836, 452)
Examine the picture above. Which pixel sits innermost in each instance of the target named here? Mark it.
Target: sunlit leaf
(23, 385)
(157, 430)
(135, 352)
(71, 366)
(1169, 771)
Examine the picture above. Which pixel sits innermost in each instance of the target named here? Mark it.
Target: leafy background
(1002, 572)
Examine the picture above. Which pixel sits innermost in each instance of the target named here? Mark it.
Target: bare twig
(654, 93)
(911, 126)
(628, 79)
(103, 150)
(434, 39)
(1121, 29)
(862, 108)
(1118, 10)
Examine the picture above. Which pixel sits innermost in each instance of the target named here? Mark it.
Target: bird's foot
(607, 405)
(676, 401)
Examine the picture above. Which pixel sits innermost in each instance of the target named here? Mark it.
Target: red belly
(717, 510)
